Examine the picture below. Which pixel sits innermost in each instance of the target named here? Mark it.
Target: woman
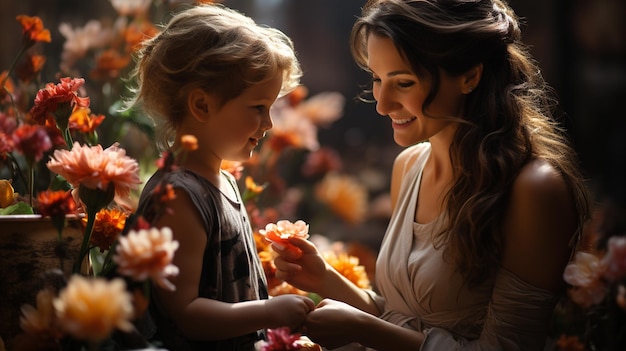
(487, 200)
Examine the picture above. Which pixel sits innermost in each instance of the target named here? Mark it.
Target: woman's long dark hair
(508, 118)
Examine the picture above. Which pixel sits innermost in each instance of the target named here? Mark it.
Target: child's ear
(199, 104)
(471, 78)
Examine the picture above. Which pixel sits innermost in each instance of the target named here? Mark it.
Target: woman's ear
(471, 78)
(199, 103)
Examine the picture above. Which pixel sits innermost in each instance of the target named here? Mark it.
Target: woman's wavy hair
(211, 47)
(508, 118)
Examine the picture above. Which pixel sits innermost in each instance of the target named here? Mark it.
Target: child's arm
(201, 318)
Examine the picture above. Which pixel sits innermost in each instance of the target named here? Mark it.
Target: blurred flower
(55, 203)
(107, 228)
(131, 7)
(84, 121)
(233, 167)
(569, 343)
(78, 41)
(32, 141)
(147, 254)
(27, 71)
(615, 259)
(584, 274)
(40, 319)
(344, 196)
(91, 308)
(349, 267)
(33, 30)
(189, 142)
(279, 339)
(320, 162)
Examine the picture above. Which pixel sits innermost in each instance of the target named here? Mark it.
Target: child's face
(238, 126)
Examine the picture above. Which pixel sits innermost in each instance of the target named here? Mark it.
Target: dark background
(579, 44)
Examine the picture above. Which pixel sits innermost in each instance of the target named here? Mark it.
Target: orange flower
(109, 64)
(107, 228)
(53, 97)
(92, 308)
(284, 288)
(148, 254)
(82, 121)
(349, 267)
(233, 167)
(33, 30)
(136, 33)
(55, 203)
(189, 142)
(95, 168)
(30, 67)
(346, 197)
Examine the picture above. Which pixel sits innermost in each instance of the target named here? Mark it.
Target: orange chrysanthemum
(27, 71)
(253, 187)
(349, 267)
(55, 96)
(55, 203)
(147, 254)
(92, 308)
(33, 30)
(346, 197)
(107, 227)
(84, 121)
(109, 64)
(95, 168)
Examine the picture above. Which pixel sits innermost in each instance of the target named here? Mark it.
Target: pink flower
(279, 339)
(148, 253)
(32, 141)
(584, 275)
(615, 259)
(95, 168)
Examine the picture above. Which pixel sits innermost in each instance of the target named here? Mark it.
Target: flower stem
(84, 247)
(31, 183)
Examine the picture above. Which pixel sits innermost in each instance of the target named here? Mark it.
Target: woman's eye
(375, 80)
(260, 108)
(406, 84)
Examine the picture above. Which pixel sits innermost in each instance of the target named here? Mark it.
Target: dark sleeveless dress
(231, 269)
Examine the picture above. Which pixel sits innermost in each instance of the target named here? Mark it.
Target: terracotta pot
(29, 250)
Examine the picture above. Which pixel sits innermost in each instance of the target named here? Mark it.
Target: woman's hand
(306, 270)
(332, 323)
(288, 310)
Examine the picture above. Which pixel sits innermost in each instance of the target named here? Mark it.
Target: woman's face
(400, 95)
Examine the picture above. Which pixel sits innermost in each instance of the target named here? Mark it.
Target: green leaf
(18, 208)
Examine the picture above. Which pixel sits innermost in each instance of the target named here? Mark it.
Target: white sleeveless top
(421, 291)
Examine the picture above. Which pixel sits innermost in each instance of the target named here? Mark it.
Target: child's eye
(260, 108)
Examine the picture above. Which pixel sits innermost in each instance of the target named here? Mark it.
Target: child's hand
(288, 310)
(280, 233)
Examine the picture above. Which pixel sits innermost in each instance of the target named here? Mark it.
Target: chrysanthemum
(107, 227)
(33, 30)
(54, 96)
(349, 267)
(346, 197)
(95, 168)
(148, 254)
(92, 308)
(84, 121)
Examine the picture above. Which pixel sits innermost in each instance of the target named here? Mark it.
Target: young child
(213, 73)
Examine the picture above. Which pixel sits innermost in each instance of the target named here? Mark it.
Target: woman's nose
(385, 101)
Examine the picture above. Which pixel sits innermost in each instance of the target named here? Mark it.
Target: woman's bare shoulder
(539, 225)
